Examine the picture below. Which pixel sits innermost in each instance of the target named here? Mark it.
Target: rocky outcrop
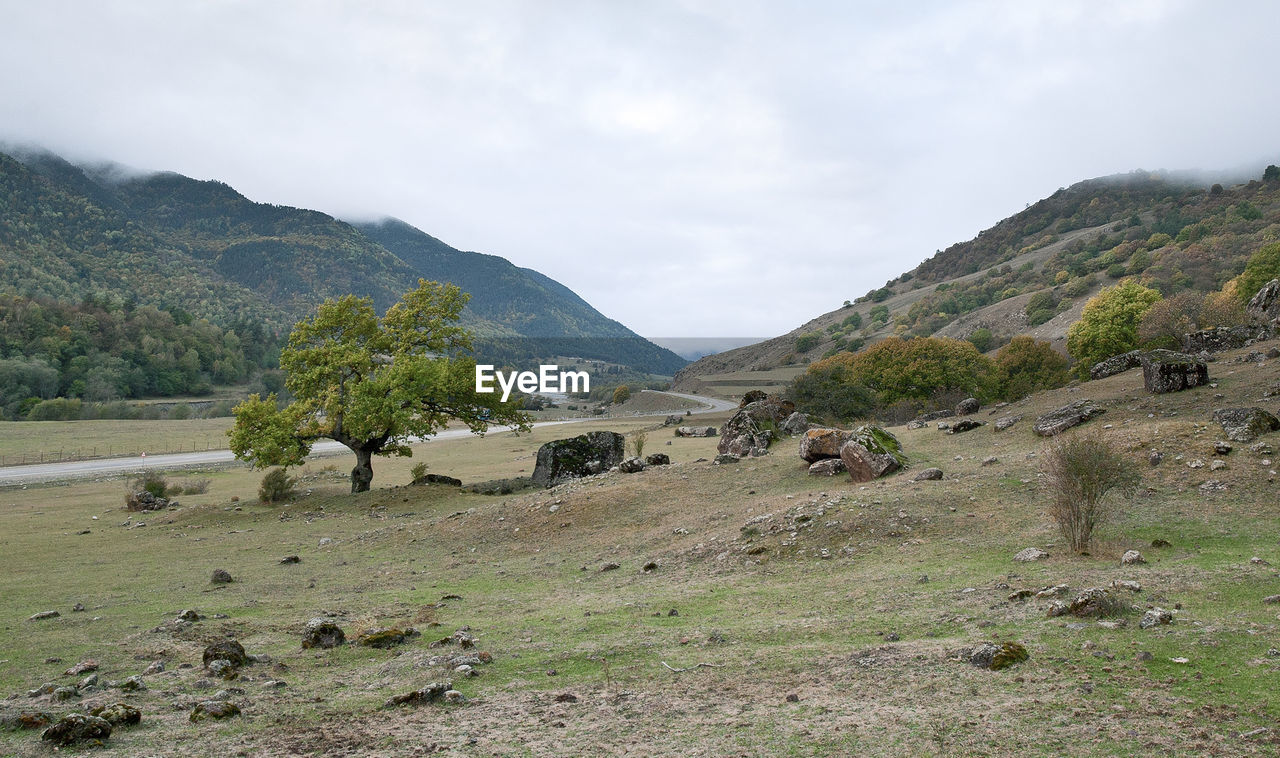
(1061, 419)
(145, 501)
(754, 427)
(871, 452)
(796, 423)
(1264, 307)
(827, 467)
(75, 728)
(820, 443)
(580, 456)
(1245, 424)
(1167, 371)
(964, 425)
(1116, 364)
(1222, 338)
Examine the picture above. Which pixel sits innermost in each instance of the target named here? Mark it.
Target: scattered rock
(26, 719)
(872, 452)
(1155, 617)
(432, 693)
(1126, 584)
(1271, 599)
(1155, 458)
(821, 443)
(134, 683)
(1095, 602)
(610, 566)
(1168, 371)
(964, 425)
(190, 616)
(754, 427)
(386, 638)
(649, 567)
(990, 460)
(82, 668)
(566, 697)
(453, 697)
(697, 431)
(928, 475)
(155, 667)
(225, 650)
(221, 576)
(796, 423)
(76, 728)
(63, 694)
(214, 709)
(144, 501)
(989, 655)
(1027, 555)
(657, 459)
(42, 615)
(968, 406)
(1222, 448)
(1132, 558)
(1004, 422)
(793, 698)
(561, 460)
(322, 633)
(1245, 424)
(827, 467)
(724, 458)
(1116, 364)
(1060, 420)
(427, 479)
(118, 714)
(631, 466)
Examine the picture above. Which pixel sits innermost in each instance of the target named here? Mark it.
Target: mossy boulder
(386, 638)
(1009, 654)
(225, 650)
(872, 452)
(76, 728)
(118, 714)
(584, 455)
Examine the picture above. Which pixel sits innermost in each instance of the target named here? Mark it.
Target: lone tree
(372, 384)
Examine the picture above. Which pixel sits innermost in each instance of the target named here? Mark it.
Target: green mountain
(1032, 273)
(199, 249)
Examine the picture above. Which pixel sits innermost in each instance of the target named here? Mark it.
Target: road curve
(44, 472)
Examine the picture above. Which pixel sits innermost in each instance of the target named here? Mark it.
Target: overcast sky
(690, 168)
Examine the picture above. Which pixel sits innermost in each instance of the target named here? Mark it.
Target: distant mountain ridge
(68, 233)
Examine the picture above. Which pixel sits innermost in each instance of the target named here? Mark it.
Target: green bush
(150, 481)
(277, 486)
(1263, 266)
(807, 342)
(1109, 324)
(981, 339)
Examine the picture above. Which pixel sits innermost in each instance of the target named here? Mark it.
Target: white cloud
(692, 167)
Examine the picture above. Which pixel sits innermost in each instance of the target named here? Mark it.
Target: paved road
(44, 472)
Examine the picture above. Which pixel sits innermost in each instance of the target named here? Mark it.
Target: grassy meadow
(826, 612)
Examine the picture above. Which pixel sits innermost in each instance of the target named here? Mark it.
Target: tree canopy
(1109, 324)
(372, 384)
(1263, 266)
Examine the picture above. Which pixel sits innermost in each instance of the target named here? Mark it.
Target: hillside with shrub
(1200, 248)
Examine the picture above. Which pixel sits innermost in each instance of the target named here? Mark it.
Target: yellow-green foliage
(1263, 266)
(1009, 654)
(1109, 324)
(1028, 365)
(917, 369)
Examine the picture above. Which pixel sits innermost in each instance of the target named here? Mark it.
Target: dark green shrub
(277, 486)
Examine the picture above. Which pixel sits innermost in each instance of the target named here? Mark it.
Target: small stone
(322, 633)
(793, 698)
(133, 684)
(1027, 555)
(155, 667)
(1144, 656)
(724, 458)
(990, 460)
(221, 576)
(1222, 448)
(1127, 584)
(431, 693)
(83, 667)
(1132, 558)
(673, 612)
(1155, 617)
(42, 615)
(226, 650)
(454, 697)
(118, 714)
(214, 709)
(610, 566)
(928, 475)
(63, 694)
(1271, 599)
(189, 616)
(290, 559)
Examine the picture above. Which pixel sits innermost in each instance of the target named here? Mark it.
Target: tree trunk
(362, 474)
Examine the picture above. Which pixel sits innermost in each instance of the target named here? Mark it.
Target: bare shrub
(277, 486)
(1080, 470)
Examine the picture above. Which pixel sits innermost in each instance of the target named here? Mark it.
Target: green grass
(785, 621)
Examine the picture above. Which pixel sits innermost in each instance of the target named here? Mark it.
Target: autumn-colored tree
(923, 369)
(1028, 365)
(1263, 266)
(1109, 324)
(372, 384)
(621, 395)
